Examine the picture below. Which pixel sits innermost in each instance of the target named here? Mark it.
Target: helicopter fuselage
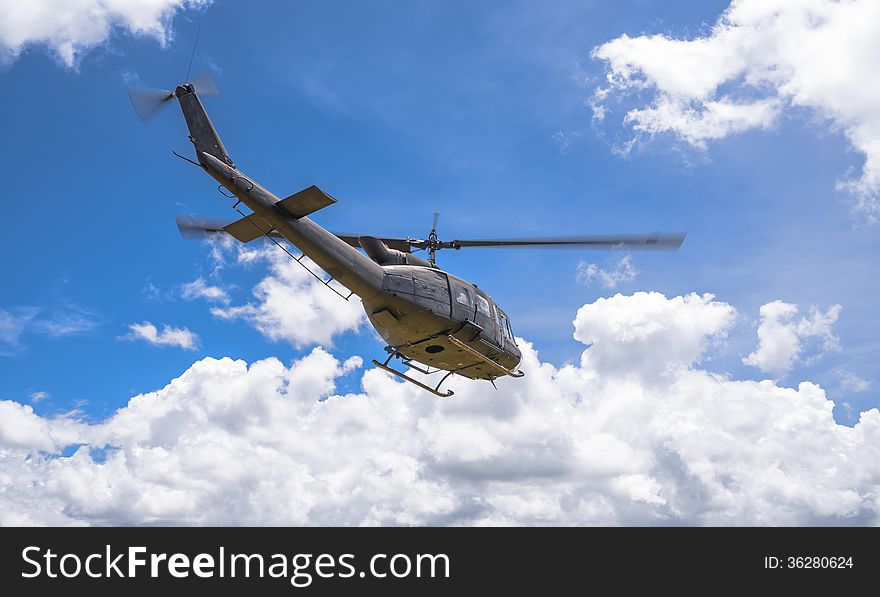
(426, 315)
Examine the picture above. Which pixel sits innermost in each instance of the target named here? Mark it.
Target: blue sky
(488, 113)
(400, 110)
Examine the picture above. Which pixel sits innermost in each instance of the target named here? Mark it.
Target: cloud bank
(69, 28)
(762, 57)
(635, 433)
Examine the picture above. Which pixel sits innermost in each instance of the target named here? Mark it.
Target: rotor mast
(433, 241)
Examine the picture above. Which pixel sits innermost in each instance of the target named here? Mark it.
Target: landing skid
(404, 376)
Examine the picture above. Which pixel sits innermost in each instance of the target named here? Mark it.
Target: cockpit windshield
(504, 323)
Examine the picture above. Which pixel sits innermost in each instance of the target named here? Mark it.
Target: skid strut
(436, 390)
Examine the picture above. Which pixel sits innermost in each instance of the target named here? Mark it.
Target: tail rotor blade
(205, 84)
(149, 102)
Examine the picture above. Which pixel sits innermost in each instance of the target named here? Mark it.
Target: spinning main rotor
(432, 244)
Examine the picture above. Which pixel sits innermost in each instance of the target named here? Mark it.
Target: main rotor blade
(436, 218)
(199, 227)
(204, 228)
(630, 241)
(191, 227)
(148, 102)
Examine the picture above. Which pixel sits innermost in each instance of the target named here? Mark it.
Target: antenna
(193, 55)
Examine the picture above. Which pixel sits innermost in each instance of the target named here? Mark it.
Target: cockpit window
(483, 306)
(463, 296)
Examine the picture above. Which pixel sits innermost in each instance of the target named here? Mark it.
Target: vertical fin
(201, 131)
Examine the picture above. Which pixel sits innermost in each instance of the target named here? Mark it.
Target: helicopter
(432, 320)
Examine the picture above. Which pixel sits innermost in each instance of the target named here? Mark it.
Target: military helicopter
(432, 320)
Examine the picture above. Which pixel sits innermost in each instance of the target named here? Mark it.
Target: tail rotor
(148, 103)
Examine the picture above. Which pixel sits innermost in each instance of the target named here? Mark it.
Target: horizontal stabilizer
(249, 228)
(305, 202)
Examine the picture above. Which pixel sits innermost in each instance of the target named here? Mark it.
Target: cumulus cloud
(21, 428)
(198, 288)
(760, 58)
(169, 336)
(635, 433)
(69, 28)
(781, 338)
(622, 272)
(649, 335)
(291, 305)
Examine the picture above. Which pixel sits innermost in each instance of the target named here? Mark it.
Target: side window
(483, 306)
(463, 296)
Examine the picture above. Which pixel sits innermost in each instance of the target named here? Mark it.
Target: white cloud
(198, 288)
(850, 382)
(69, 28)
(56, 323)
(760, 58)
(21, 428)
(291, 305)
(781, 338)
(608, 440)
(622, 272)
(648, 335)
(169, 336)
(565, 141)
(38, 396)
(12, 326)
(68, 321)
